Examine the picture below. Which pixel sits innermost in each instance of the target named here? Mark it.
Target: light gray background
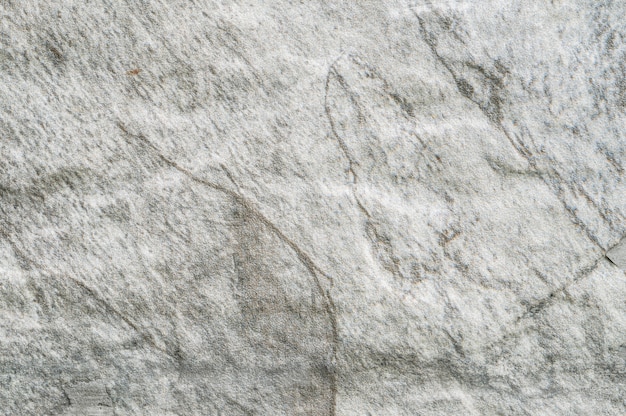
(312, 207)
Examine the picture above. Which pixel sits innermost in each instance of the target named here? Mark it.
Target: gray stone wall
(312, 207)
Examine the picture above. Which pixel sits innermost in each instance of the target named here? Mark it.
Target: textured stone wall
(312, 207)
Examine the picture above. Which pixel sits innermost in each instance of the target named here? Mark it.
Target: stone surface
(88, 399)
(618, 254)
(312, 208)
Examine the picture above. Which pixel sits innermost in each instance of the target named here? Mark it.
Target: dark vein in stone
(518, 145)
(92, 293)
(304, 258)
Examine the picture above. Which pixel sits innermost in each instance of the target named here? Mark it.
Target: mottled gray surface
(312, 208)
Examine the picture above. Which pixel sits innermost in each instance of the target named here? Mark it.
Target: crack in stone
(332, 71)
(304, 258)
(536, 307)
(380, 244)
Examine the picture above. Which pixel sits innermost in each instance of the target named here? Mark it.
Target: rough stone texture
(312, 208)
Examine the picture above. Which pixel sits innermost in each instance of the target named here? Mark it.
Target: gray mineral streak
(312, 207)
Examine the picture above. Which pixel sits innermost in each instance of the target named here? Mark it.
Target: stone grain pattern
(312, 208)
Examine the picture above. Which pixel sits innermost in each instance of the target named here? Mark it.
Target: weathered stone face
(312, 208)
